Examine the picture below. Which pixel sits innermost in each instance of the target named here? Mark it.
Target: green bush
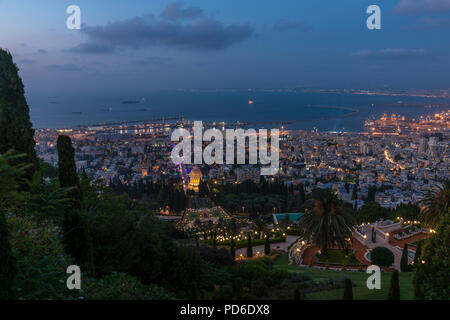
(120, 286)
(41, 259)
(382, 257)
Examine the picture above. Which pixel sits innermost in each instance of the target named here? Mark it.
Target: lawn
(360, 290)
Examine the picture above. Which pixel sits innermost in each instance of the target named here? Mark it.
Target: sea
(322, 111)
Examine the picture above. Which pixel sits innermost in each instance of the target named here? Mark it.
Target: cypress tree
(8, 268)
(249, 247)
(348, 289)
(394, 289)
(67, 170)
(298, 294)
(404, 259)
(232, 249)
(418, 253)
(239, 289)
(76, 236)
(267, 246)
(16, 130)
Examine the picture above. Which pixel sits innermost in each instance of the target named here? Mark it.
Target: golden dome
(194, 179)
(196, 173)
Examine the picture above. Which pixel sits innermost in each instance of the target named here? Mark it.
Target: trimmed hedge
(243, 243)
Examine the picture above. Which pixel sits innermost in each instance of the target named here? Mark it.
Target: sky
(136, 46)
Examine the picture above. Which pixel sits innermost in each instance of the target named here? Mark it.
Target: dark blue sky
(134, 45)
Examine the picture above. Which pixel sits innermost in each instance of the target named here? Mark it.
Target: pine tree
(404, 259)
(16, 130)
(267, 246)
(8, 268)
(249, 247)
(394, 289)
(348, 289)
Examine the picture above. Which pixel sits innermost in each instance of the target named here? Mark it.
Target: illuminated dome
(194, 179)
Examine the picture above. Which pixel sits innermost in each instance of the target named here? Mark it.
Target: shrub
(259, 288)
(382, 257)
(119, 286)
(217, 256)
(432, 276)
(41, 260)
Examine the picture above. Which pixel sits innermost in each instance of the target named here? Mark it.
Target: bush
(382, 257)
(216, 256)
(259, 288)
(432, 276)
(249, 271)
(41, 260)
(120, 286)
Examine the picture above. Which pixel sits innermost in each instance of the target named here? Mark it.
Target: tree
(16, 131)
(267, 245)
(76, 236)
(431, 276)
(249, 247)
(418, 253)
(382, 257)
(8, 268)
(232, 248)
(404, 265)
(298, 294)
(348, 289)
(327, 221)
(394, 289)
(67, 170)
(437, 204)
(371, 211)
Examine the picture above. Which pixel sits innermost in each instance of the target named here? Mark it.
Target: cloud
(390, 53)
(145, 31)
(177, 10)
(282, 26)
(154, 60)
(27, 61)
(63, 67)
(92, 48)
(421, 6)
(433, 23)
(42, 51)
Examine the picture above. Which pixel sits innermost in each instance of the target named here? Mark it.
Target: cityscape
(95, 205)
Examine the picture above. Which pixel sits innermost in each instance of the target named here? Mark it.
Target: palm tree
(437, 204)
(326, 221)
